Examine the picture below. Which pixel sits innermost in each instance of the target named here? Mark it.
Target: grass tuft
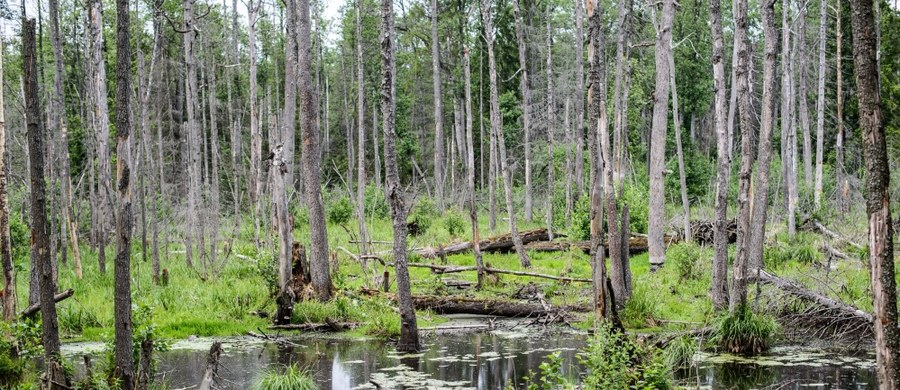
(288, 378)
(744, 331)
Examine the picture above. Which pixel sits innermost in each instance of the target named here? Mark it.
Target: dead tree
(361, 136)
(525, 90)
(438, 109)
(9, 288)
(723, 165)
(820, 104)
(470, 165)
(100, 114)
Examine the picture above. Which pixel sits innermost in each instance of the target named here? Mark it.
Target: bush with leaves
(688, 259)
(617, 361)
(454, 223)
(339, 211)
(376, 203)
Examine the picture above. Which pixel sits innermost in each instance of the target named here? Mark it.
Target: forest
(449, 194)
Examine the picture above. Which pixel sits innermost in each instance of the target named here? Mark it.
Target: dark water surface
(488, 360)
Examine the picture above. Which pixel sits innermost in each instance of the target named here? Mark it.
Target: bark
(377, 154)
(820, 105)
(409, 334)
(839, 138)
(658, 135)
(289, 112)
(881, 241)
(470, 165)
(501, 243)
(787, 110)
(312, 167)
(238, 172)
(214, 170)
(620, 94)
(124, 356)
(802, 92)
(720, 259)
(596, 121)
(551, 118)
(361, 136)
(40, 229)
(525, 90)
(101, 130)
(33, 309)
(438, 109)
(146, 137)
(579, 98)
(617, 258)
(9, 288)
(146, 364)
(794, 288)
(212, 367)
(255, 175)
(738, 294)
(497, 130)
(764, 150)
(676, 119)
(570, 168)
(195, 225)
(285, 237)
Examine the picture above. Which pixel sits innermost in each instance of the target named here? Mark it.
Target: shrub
(11, 370)
(376, 203)
(289, 378)
(549, 376)
(340, 211)
(581, 219)
(421, 216)
(616, 361)
(455, 224)
(687, 258)
(801, 249)
(744, 331)
(635, 196)
(640, 311)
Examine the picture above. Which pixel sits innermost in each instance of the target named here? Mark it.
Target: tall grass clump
(687, 258)
(801, 249)
(744, 331)
(288, 378)
(616, 361)
(680, 352)
(641, 309)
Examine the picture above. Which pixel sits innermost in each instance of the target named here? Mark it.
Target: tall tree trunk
(377, 154)
(470, 165)
(738, 295)
(285, 301)
(492, 168)
(237, 141)
(820, 104)
(551, 118)
(525, 90)
(787, 110)
(101, 121)
(192, 133)
(881, 245)
(213, 168)
(840, 180)
(409, 334)
(723, 165)
(361, 136)
(596, 122)
(764, 150)
(569, 164)
(289, 111)
(312, 167)
(40, 232)
(147, 168)
(620, 94)
(438, 109)
(658, 135)
(802, 92)
(124, 355)
(497, 130)
(579, 98)
(679, 150)
(9, 276)
(256, 172)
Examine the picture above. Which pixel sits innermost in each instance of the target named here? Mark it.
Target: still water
(487, 360)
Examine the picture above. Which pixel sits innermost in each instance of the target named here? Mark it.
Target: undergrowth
(745, 332)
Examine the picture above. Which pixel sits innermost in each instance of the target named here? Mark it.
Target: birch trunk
(881, 245)
(9, 277)
(497, 130)
(787, 110)
(101, 121)
(658, 136)
(720, 260)
(579, 98)
(377, 154)
(820, 104)
(525, 90)
(409, 334)
(470, 165)
(360, 136)
(676, 119)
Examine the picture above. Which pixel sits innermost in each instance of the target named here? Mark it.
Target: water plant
(287, 378)
(617, 361)
(744, 331)
(680, 352)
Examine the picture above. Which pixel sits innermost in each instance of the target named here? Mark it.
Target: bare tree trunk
(378, 182)
(802, 92)
(492, 172)
(289, 111)
(234, 120)
(497, 130)
(286, 296)
(596, 122)
(620, 94)
(409, 334)
(195, 224)
(764, 150)
(124, 356)
(738, 295)
(361, 136)
(551, 119)
(820, 104)
(256, 172)
(840, 180)
(658, 136)
(525, 90)
(787, 110)
(720, 260)
(9, 277)
(312, 168)
(470, 165)
(438, 109)
(881, 245)
(214, 169)
(676, 119)
(40, 236)
(101, 120)
(569, 164)
(579, 98)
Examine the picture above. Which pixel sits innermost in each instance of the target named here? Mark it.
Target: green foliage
(376, 204)
(744, 331)
(680, 352)
(340, 211)
(23, 336)
(423, 213)
(19, 235)
(581, 220)
(617, 361)
(12, 370)
(801, 249)
(288, 378)
(688, 259)
(641, 310)
(549, 376)
(635, 195)
(454, 223)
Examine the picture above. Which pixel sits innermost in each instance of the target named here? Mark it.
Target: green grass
(744, 331)
(287, 378)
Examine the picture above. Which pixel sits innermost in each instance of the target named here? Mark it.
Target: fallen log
(490, 307)
(793, 288)
(501, 243)
(636, 246)
(317, 327)
(834, 252)
(445, 269)
(816, 226)
(36, 307)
